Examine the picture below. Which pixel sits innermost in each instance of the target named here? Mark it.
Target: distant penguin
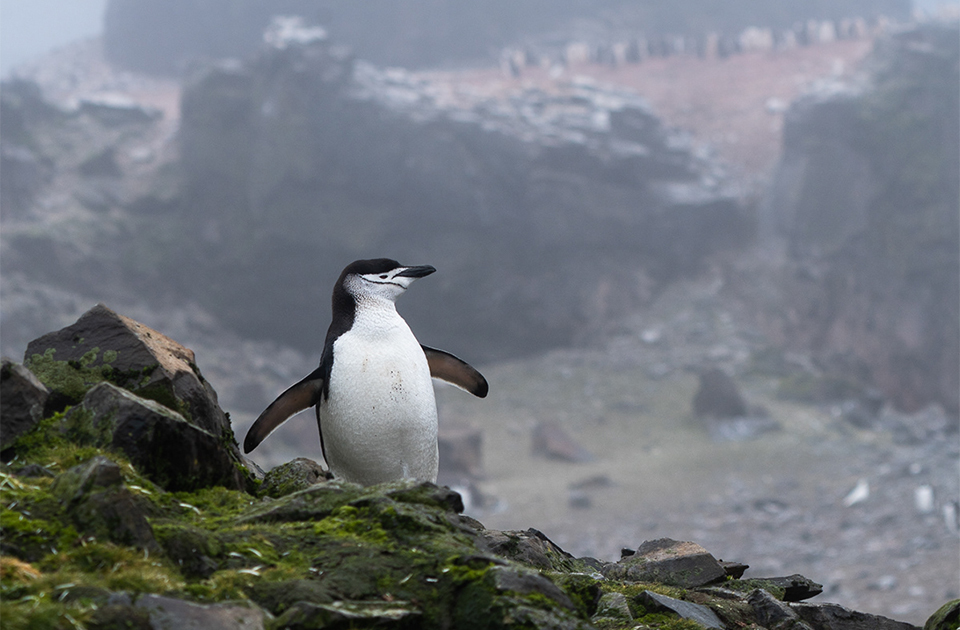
(373, 392)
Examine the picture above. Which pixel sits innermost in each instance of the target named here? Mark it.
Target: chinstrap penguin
(373, 393)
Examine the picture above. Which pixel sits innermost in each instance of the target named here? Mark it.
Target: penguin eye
(383, 276)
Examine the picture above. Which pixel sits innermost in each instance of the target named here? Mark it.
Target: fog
(707, 259)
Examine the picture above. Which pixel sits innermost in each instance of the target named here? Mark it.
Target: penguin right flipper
(455, 371)
(304, 394)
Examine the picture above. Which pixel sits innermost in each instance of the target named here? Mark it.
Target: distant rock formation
(866, 197)
(545, 214)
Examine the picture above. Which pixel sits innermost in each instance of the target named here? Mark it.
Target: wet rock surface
(332, 554)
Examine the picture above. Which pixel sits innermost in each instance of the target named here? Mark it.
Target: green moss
(946, 618)
(582, 589)
(746, 586)
(71, 379)
(352, 523)
(43, 613)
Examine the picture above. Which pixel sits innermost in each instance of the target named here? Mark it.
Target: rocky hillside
(109, 523)
(548, 213)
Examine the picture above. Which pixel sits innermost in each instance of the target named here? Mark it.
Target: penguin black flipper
(298, 397)
(455, 371)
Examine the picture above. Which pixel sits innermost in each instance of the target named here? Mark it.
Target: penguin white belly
(379, 421)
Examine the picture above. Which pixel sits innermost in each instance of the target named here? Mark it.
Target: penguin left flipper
(298, 397)
(455, 371)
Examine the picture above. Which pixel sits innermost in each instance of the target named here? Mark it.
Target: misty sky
(29, 28)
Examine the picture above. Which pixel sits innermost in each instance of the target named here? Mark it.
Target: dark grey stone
(141, 359)
(343, 615)
(100, 505)
(172, 452)
(167, 613)
(530, 547)
(718, 396)
(796, 587)
(23, 399)
(836, 617)
(295, 475)
(774, 614)
(668, 561)
(688, 610)
(524, 582)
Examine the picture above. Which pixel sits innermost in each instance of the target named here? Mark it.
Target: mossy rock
(946, 618)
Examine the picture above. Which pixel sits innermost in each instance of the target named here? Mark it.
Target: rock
(460, 452)
(528, 582)
(795, 587)
(774, 614)
(100, 505)
(695, 612)
(168, 613)
(551, 440)
(193, 550)
(22, 401)
(683, 564)
(103, 345)
(343, 615)
(174, 453)
(278, 597)
(718, 396)
(613, 606)
(531, 548)
(107, 348)
(734, 570)
(946, 618)
(295, 475)
(836, 617)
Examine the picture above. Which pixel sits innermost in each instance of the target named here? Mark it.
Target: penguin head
(380, 278)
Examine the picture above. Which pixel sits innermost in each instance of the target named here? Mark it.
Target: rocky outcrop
(546, 214)
(866, 196)
(135, 390)
(115, 547)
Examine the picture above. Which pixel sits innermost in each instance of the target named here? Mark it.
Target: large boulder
(135, 390)
(104, 345)
(172, 452)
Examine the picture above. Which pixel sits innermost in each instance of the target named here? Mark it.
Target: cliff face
(867, 198)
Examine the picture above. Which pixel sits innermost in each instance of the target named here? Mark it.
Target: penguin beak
(417, 272)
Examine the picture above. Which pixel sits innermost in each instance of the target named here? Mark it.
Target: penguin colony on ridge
(373, 393)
